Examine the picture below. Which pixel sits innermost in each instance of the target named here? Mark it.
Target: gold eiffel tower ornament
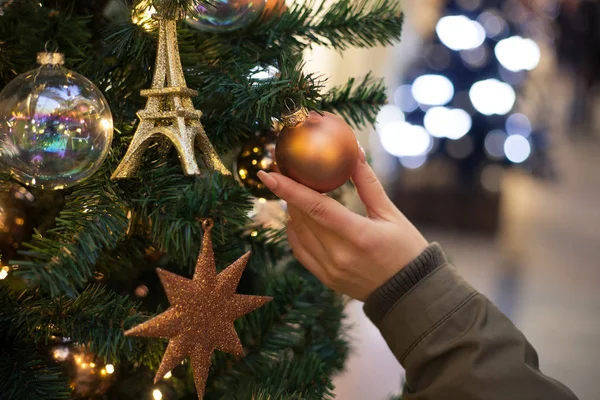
(170, 112)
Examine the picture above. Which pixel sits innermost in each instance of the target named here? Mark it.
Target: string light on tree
(4, 272)
(16, 222)
(109, 369)
(88, 376)
(57, 126)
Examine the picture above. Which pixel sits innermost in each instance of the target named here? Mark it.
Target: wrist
(384, 297)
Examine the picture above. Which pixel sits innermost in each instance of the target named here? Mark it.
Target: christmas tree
(79, 263)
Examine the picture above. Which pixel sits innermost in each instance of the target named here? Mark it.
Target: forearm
(452, 341)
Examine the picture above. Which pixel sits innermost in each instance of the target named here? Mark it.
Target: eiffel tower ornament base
(170, 112)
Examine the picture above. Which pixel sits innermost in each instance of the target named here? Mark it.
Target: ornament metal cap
(46, 58)
(295, 118)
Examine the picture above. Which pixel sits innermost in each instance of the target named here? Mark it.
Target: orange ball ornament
(318, 151)
(273, 8)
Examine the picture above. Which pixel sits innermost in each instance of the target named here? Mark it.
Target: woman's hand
(348, 252)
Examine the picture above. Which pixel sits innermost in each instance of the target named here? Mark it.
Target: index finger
(322, 209)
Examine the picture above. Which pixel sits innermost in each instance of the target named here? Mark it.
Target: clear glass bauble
(55, 127)
(224, 15)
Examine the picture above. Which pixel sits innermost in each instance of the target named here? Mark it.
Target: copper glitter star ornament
(201, 315)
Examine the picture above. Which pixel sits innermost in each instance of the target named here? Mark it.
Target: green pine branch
(43, 28)
(63, 260)
(96, 318)
(266, 393)
(359, 102)
(173, 204)
(364, 23)
(303, 320)
(26, 376)
(344, 24)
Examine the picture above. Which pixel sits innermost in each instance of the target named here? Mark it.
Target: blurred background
(489, 144)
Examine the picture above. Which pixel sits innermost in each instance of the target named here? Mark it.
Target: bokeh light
(403, 139)
(517, 54)
(404, 99)
(517, 148)
(261, 73)
(413, 162)
(493, 24)
(494, 144)
(491, 96)
(387, 115)
(475, 58)
(518, 124)
(433, 90)
(458, 32)
(445, 122)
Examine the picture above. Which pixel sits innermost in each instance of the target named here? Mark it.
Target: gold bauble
(318, 151)
(257, 154)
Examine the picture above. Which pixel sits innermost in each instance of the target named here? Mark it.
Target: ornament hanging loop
(48, 57)
(47, 45)
(207, 224)
(295, 118)
(291, 108)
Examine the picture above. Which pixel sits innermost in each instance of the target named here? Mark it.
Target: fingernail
(268, 180)
(362, 156)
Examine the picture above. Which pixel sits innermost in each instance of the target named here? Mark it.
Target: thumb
(370, 190)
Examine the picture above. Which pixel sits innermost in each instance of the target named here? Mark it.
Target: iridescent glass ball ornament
(224, 15)
(55, 126)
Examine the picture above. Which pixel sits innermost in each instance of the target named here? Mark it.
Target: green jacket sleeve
(452, 341)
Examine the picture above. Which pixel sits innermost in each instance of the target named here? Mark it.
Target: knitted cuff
(382, 299)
